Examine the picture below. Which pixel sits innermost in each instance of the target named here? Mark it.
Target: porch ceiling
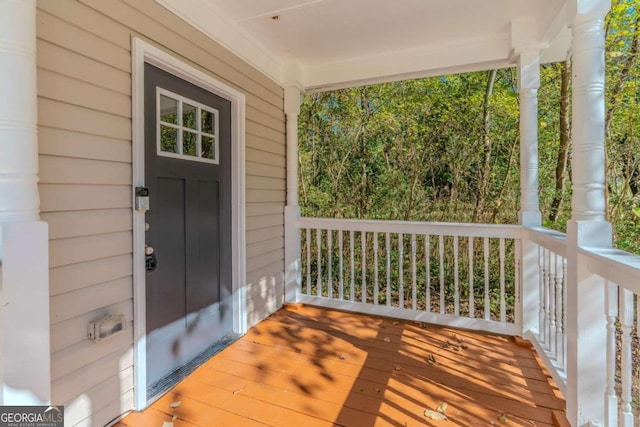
(332, 43)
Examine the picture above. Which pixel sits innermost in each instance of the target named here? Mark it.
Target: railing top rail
(553, 240)
(413, 227)
(615, 265)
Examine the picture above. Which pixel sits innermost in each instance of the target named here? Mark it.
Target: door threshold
(160, 387)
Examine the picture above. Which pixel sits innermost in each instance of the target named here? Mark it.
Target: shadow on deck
(308, 366)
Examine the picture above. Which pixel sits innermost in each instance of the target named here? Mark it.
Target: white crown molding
(209, 19)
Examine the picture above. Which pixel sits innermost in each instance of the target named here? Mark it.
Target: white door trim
(141, 53)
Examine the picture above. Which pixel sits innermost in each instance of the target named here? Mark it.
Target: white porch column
(292, 98)
(25, 360)
(586, 321)
(529, 215)
(528, 84)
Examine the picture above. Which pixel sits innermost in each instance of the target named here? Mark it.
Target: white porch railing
(463, 275)
(621, 273)
(471, 276)
(549, 337)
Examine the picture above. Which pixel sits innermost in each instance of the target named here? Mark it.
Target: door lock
(150, 260)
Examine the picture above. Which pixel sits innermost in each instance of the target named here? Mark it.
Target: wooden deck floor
(308, 367)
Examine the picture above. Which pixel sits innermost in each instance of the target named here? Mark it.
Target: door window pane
(168, 139)
(189, 114)
(186, 128)
(189, 143)
(208, 147)
(168, 110)
(207, 121)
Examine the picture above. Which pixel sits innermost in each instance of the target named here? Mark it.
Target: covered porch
(573, 296)
(321, 367)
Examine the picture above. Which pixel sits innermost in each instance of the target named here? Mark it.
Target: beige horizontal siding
(82, 223)
(257, 209)
(103, 394)
(84, 113)
(264, 221)
(85, 274)
(89, 375)
(82, 68)
(78, 145)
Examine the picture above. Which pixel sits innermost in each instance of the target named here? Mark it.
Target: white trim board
(143, 52)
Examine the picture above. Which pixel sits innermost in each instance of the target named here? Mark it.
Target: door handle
(150, 260)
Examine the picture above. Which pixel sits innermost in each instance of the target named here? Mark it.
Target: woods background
(447, 148)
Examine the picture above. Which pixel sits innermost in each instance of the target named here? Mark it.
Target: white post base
(292, 264)
(586, 325)
(530, 218)
(25, 359)
(530, 294)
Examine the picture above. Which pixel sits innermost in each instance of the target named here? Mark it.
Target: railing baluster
(441, 250)
(341, 264)
(414, 300)
(516, 284)
(559, 311)
(401, 270)
(626, 370)
(308, 242)
(329, 262)
(611, 404)
(541, 292)
(352, 286)
(553, 268)
(564, 313)
(427, 259)
(456, 282)
(487, 302)
(319, 254)
(545, 297)
(472, 302)
(375, 269)
(387, 240)
(363, 247)
(503, 304)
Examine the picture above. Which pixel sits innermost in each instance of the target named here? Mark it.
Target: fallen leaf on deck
(386, 339)
(175, 404)
(167, 424)
(175, 417)
(442, 408)
(435, 415)
(503, 418)
(431, 359)
(395, 323)
(398, 368)
(239, 390)
(342, 357)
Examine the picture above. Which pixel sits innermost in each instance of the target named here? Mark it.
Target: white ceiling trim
(462, 56)
(546, 33)
(207, 18)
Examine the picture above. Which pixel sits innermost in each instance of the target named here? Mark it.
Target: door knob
(150, 260)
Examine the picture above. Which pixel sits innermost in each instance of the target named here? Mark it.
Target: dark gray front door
(187, 171)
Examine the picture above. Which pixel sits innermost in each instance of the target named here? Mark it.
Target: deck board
(316, 367)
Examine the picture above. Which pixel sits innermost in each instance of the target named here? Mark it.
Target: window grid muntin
(180, 128)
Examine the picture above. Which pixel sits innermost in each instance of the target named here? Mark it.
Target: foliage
(447, 148)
